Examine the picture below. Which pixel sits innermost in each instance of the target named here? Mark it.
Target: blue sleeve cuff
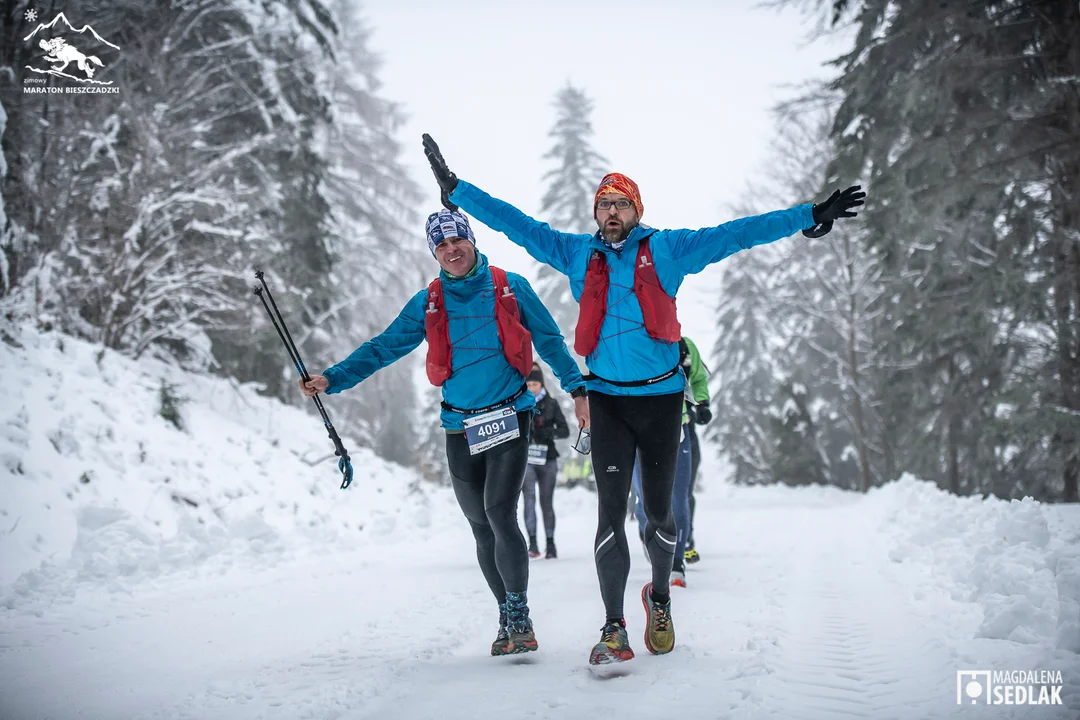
(331, 375)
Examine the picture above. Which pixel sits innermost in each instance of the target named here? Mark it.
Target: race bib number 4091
(484, 432)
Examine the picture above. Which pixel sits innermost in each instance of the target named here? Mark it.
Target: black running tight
(487, 487)
(622, 425)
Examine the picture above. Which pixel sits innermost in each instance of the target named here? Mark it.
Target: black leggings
(621, 426)
(487, 488)
(695, 460)
(542, 478)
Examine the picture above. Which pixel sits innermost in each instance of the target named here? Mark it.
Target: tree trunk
(853, 365)
(1063, 27)
(952, 434)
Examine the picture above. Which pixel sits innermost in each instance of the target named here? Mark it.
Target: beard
(614, 235)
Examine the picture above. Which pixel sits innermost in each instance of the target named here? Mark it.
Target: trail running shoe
(691, 556)
(614, 645)
(551, 554)
(522, 639)
(659, 629)
(678, 578)
(502, 640)
(534, 549)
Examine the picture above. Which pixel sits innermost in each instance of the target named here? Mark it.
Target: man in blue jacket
(480, 324)
(625, 278)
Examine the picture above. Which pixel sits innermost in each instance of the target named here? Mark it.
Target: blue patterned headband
(447, 224)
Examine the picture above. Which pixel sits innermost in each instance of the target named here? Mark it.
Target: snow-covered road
(798, 609)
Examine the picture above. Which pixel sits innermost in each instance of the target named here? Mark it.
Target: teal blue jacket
(626, 352)
(480, 374)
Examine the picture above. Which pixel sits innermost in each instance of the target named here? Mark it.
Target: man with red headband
(625, 278)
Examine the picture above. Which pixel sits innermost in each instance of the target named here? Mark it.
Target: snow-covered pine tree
(35, 144)
(793, 359)
(250, 135)
(746, 363)
(965, 120)
(376, 237)
(568, 202)
(832, 294)
(292, 51)
(158, 205)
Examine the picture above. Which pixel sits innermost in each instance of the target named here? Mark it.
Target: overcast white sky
(682, 91)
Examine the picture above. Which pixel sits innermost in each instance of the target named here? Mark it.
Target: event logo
(68, 53)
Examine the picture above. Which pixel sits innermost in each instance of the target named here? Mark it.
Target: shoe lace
(661, 616)
(610, 633)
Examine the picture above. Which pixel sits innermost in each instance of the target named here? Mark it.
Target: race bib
(538, 454)
(483, 432)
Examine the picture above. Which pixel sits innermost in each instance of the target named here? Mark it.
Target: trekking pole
(344, 463)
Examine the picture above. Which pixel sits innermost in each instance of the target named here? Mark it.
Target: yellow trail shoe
(613, 647)
(659, 629)
(691, 556)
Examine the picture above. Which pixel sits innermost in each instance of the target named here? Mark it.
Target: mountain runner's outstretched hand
(447, 180)
(839, 205)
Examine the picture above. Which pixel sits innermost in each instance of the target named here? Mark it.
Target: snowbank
(1018, 561)
(97, 487)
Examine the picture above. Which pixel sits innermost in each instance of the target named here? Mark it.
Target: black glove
(446, 179)
(839, 205)
(704, 414)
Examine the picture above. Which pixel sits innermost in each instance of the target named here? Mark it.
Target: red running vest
(516, 341)
(657, 307)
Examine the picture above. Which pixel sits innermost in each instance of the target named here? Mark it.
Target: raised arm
(546, 245)
(695, 250)
(545, 335)
(398, 340)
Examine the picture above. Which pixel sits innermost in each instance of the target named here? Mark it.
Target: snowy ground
(277, 596)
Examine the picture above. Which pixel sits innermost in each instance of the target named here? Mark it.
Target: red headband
(619, 183)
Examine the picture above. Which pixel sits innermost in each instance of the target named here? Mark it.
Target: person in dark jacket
(548, 425)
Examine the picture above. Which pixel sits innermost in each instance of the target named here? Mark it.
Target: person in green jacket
(696, 394)
(700, 414)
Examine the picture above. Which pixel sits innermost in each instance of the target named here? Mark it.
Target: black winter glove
(704, 414)
(839, 205)
(447, 180)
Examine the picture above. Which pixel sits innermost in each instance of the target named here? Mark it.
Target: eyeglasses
(619, 204)
(584, 441)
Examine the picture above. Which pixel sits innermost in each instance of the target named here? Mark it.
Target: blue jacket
(480, 373)
(626, 352)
